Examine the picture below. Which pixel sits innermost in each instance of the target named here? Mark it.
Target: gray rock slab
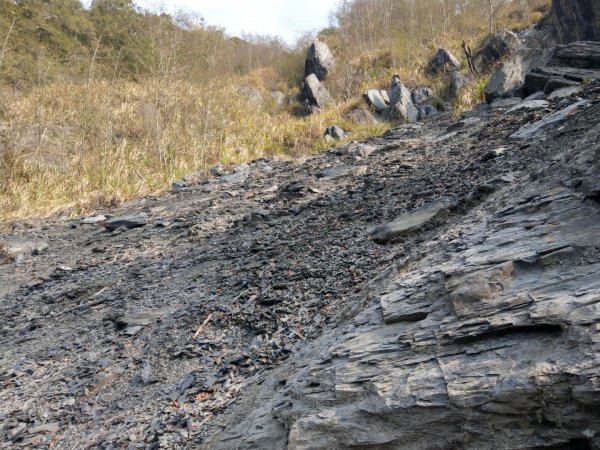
(565, 92)
(530, 104)
(315, 92)
(509, 79)
(93, 220)
(406, 223)
(373, 98)
(547, 123)
(480, 338)
(331, 173)
(506, 103)
(129, 221)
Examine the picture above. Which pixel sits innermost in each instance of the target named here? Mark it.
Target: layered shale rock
(489, 339)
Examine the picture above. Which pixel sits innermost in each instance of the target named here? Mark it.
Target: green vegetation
(104, 104)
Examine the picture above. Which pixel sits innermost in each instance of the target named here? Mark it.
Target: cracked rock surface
(435, 287)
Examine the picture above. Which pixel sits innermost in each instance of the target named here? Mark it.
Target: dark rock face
(495, 47)
(129, 221)
(442, 61)
(575, 20)
(319, 60)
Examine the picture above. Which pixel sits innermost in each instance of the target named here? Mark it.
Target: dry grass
(77, 147)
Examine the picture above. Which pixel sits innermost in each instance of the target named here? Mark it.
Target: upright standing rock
(401, 104)
(319, 60)
(442, 59)
(314, 92)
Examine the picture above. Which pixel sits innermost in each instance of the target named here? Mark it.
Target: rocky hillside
(435, 287)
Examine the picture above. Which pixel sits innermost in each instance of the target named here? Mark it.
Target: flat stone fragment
(530, 104)
(502, 103)
(130, 221)
(92, 220)
(565, 92)
(341, 171)
(406, 223)
(551, 121)
(15, 249)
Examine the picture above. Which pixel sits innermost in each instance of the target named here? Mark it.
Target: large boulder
(509, 79)
(319, 60)
(443, 60)
(315, 93)
(401, 104)
(494, 48)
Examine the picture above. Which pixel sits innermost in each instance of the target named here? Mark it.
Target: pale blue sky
(285, 18)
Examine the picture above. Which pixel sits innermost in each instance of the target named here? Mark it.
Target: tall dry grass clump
(77, 147)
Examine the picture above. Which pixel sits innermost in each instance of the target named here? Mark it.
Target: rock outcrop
(489, 339)
(509, 79)
(570, 65)
(568, 21)
(376, 100)
(574, 20)
(319, 60)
